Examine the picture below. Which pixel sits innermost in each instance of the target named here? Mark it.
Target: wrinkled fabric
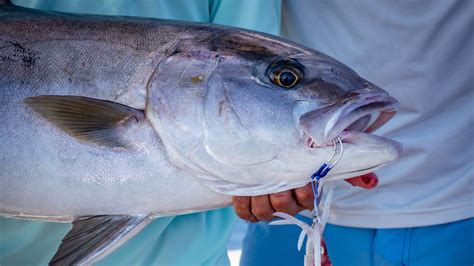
(420, 52)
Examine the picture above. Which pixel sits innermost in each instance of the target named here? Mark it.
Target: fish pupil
(287, 78)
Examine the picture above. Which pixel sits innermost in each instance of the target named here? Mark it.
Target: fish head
(255, 110)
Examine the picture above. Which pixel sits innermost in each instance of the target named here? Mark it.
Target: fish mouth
(349, 117)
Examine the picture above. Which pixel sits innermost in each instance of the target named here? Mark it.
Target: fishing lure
(316, 253)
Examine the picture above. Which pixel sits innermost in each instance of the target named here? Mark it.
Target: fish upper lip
(357, 114)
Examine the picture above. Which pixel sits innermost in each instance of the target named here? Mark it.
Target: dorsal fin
(94, 237)
(93, 120)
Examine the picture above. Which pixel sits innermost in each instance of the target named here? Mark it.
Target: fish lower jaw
(358, 140)
(363, 153)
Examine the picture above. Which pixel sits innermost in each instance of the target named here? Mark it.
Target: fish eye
(285, 74)
(285, 78)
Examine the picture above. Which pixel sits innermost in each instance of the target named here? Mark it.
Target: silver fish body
(47, 173)
(165, 68)
(144, 118)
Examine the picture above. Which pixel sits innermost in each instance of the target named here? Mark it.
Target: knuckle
(240, 209)
(240, 200)
(261, 214)
(304, 194)
(280, 201)
(240, 203)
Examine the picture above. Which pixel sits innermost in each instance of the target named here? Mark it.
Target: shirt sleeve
(258, 15)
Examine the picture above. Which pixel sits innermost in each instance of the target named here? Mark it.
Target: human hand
(261, 208)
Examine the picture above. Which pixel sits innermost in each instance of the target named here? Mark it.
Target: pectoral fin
(94, 237)
(88, 119)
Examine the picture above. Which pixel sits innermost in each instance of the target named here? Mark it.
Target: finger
(242, 208)
(261, 208)
(367, 181)
(285, 202)
(304, 196)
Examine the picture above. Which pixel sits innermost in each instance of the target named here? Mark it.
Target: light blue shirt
(195, 239)
(259, 15)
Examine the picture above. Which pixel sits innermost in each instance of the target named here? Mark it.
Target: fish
(110, 122)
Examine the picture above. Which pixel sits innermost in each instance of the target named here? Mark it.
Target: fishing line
(322, 172)
(314, 249)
